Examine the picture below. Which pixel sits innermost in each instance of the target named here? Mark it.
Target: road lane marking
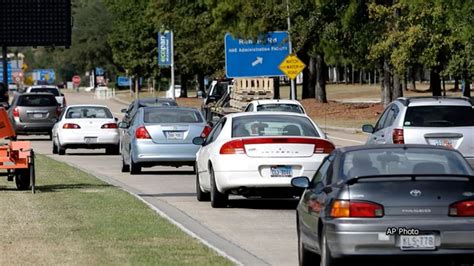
(349, 140)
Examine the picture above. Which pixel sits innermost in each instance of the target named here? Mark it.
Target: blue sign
(261, 58)
(123, 81)
(44, 76)
(9, 71)
(99, 71)
(165, 43)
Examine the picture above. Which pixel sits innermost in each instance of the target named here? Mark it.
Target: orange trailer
(16, 157)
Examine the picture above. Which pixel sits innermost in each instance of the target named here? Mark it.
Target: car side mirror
(124, 110)
(300, 182)
(368, 128)
(116, 119)
(198, 141)
(123, 125)
(62, 94)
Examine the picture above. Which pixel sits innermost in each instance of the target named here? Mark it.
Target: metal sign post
(166, 55)
(172, 66)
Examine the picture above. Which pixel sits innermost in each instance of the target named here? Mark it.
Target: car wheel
(55, 148)
(200, 195)
(112, 150)
(218, 199)
(326, 258)
(22, 179)
(135, 168)
(306, 257)
(125, 167)
(61, 150)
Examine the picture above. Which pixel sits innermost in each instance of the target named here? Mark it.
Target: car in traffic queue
(161, 136)
(132, 109)
(49, 89)
(386, 200)
(34, 113)
(292, 106)
(86, 127)
(257, 154)
(440, 121)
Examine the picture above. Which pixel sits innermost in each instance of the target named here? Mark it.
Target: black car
(387, 200)
(145, 102)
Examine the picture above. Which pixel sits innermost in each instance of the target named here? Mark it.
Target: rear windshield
(88, 112)
(278, 107)
(403, 161)
(37, 100)
(272, 125)
(162, 115)
(53, 91)
(158, 103)
(439, 116)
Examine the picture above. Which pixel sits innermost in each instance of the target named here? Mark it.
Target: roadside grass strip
(76, 219)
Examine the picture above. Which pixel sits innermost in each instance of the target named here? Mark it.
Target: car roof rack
(406, 100)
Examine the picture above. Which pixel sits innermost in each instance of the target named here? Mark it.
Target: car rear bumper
(73, 138)
(25, 128)
(362, 238)
(149, 152)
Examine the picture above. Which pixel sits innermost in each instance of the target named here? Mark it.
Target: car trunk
(459, 138)
(91, 125)
(406, 197)
(37, 114)
(174, 133)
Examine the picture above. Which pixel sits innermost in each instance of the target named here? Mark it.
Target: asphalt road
(252, 232)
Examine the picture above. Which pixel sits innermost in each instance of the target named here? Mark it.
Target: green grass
(77, 219)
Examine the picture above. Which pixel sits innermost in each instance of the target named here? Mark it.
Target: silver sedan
(161, 136)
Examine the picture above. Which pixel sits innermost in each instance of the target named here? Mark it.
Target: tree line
(394, 38)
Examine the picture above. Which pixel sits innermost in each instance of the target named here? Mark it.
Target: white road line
(350, 140)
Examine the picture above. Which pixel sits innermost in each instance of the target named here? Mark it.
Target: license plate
(443, 142)
(420, 242)
(175, 135)
(281, 171)
(37, 115)
(90, 139)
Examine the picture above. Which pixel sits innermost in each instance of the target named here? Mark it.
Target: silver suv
(440, 121)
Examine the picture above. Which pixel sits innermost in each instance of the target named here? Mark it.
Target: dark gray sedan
(387, 200)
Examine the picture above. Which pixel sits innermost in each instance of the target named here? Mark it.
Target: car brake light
(71, 126)
(142, 133)
(206, 131)
(462, 209)
(16, 112)
(233, 147)
(397, 136)
(109, 125)
(362, 209)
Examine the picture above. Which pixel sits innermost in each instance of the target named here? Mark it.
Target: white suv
(440, 121)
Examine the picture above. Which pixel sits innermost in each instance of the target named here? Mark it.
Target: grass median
(77, 219)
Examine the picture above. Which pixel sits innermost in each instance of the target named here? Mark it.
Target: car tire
(55, 148)
(112, 150)
(135, 168)
(61, 150)
(218, 199)
(306, 257)
(22, 179)
(125, 167)
(326, 258)
(200, 195)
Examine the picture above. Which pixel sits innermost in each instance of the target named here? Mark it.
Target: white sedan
(291, 106)
(257, 154)
(86, 126)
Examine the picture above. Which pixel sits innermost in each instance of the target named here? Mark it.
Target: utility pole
(292, 81)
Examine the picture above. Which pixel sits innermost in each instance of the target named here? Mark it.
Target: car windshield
(272, 125)
(403, 161)
(439, 116)
(88, 112)
(163, 115)
(157, 103)
(280, 107)
(53, 91)
(37, 100)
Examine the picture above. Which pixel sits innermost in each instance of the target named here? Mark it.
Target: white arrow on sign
(258, 61)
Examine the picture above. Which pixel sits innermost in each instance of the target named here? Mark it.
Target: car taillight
(397, 136)
(142, 133)
(109, 125)
(362, 209)
(16, 112)
(206, 131)
(71, 126)
(233, 147)
(462, 209)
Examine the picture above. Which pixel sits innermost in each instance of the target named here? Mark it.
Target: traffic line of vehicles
(410, 191)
